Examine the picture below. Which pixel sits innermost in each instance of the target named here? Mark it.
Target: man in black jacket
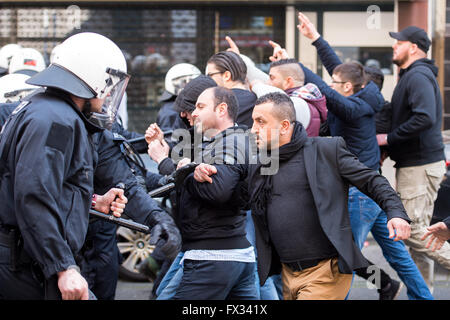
(415, 142)
(219, 262)
(299, 221)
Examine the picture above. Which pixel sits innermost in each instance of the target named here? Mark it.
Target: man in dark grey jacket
(415, 142)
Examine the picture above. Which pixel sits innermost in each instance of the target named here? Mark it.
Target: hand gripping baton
(120, 221)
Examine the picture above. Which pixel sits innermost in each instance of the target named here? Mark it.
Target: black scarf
(261, 185)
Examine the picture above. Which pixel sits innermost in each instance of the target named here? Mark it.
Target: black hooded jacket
(209, 214)
(415, 138)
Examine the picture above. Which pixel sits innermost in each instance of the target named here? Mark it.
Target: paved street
(359, 291)
(373, 253)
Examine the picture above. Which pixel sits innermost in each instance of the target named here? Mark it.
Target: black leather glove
(165, 235)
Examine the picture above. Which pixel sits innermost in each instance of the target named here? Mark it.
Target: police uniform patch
(58, 137)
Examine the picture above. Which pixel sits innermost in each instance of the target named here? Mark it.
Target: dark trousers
(100, 265)
(217, 280)
(27, 283)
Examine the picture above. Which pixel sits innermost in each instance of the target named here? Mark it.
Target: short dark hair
(374, 74)
(352, 72)
(224, 95)
(289, 68)
(283, 107)
(232, 62)
(283, 62)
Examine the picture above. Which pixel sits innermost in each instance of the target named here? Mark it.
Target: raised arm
(326, 54)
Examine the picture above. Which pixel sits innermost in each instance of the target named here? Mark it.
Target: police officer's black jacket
(5, 111)
(151, 178)
(112, 168)
(47, 181)
(209, 215)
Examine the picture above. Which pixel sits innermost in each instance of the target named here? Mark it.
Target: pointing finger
(274, 44)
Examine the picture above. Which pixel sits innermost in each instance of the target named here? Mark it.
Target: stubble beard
(400, 61)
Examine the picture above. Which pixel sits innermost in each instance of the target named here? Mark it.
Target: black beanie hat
(186, 99)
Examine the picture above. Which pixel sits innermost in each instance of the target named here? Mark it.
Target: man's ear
(413, 49)
(227, 75)
(222, 109)
(285, 126)
(289, 82)
(348, 87)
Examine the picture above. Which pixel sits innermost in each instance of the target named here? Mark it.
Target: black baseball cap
(415, 35)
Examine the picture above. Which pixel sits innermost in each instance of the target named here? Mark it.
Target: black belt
(300, 265)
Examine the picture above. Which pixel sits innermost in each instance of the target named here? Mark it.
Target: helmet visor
(107, 116)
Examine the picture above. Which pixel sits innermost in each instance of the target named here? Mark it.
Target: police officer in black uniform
(47, 162)
(101, 255)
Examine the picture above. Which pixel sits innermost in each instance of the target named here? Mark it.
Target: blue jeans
(171, 280)
(268, 290)
(365, 216)
(277, 282)
(217, 280)
(169, 284)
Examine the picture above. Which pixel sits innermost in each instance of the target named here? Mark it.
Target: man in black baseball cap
(412, 44)
(414, 35)
(415, 142)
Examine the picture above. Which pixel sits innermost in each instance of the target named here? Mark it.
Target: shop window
(252, 30)
(380, 57)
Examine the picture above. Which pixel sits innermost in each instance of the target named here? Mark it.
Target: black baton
(120, 221)
(161, 190)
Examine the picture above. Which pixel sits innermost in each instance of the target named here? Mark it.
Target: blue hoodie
(353, 117)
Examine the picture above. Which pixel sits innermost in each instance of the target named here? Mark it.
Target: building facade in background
(156, 35)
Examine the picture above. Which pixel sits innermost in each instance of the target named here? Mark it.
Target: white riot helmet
(88, 65)
(28, 61)
(54, 53)
(13, 87)
(178, 76)
(6, 53)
